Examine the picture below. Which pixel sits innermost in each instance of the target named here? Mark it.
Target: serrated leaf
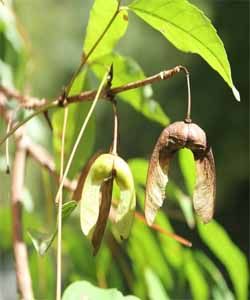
(229, 254)
(86, 291)
(76, 114)
(189, 30)
(100, 17)
(127, 70)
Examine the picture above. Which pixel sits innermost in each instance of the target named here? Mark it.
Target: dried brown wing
(205, 186)
(157, 177)
(106, 197)
(78, 191)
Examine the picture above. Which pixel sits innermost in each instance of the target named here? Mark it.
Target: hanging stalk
(59, 221)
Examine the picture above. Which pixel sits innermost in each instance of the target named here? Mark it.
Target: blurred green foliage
(149, 264)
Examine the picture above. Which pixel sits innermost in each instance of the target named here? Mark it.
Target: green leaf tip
(189, 30)
(236, 93)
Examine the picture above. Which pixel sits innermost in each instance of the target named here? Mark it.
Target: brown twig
(36, 103)
(88, 96)
(24, 284)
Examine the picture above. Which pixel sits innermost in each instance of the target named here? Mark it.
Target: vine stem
(59, 221)
(98, 94)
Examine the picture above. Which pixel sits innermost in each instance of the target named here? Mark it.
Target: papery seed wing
(106, 197)
(100, 171)
(125, 213)
(127, 202)
(157, 178)
(89, 205)
(205, 186)
(78, 191)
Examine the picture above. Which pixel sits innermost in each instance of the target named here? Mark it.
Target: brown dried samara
(174, 137)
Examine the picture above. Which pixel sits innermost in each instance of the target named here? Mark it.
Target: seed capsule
(174, 137)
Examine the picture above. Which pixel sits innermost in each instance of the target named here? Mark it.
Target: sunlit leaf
(194, 275)
(187, 165)
(184, 201)
(188, 29)
(171, 248)
(229, 254)
(145, 251)
(222, 291)
(141, 99)
(100, 17)
(156, 289)
(139, 168)
(85, 290)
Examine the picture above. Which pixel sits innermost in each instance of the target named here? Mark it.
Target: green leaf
(139, 168)
(184, 202)
(42, 241)
(6, 78)
(222, 290)
(100, 17)
(171, 248)
(9, 27)
(195, 277)
(145, 251)
(141, 99)
(85, 290)
(156, 289)
(187, 165)
(229, 254)
(76, 115)
(189, 30)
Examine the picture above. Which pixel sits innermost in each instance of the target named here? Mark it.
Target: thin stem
(31, 116)
(23, 277)
(59, 236)
(90, 95)
(116, 128)
(98, 94)
(189, 102)
(92, 49)
(7, 148)
(165, 232)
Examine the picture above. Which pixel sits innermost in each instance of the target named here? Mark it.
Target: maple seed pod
(174, 137)
(95, 194)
